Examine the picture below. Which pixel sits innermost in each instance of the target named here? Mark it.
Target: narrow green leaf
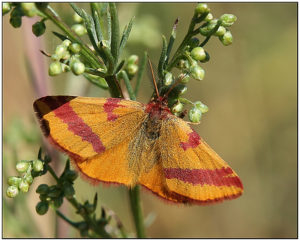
(142, 66)
(96, 81)
(162, 58)
(171, 42)
(109, 57)
(120, 66)
(108, 20)
(115, 31)
(124, 76)
(97, 22)
(125, 35)
(60, 36)
(77, 10)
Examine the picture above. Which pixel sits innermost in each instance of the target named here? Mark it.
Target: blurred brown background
(250, 88)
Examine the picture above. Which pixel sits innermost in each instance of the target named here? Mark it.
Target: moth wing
(192, 169)
(92, 131)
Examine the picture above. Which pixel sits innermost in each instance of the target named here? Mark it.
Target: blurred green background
(250, 88)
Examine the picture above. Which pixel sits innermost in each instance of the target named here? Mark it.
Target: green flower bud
(197, 72)
(132, 69)
(55, 68)
(42, 189)
(57, 202)
(75, 48)
(60, 50)
(207, 58)
(5, 8)
(24, 186)
(185, 79)
(16, 21)
(168, 79)
(200, 106)
(14, 181)
(133, 59)
(22, 166)
(205, 31)
(77, 18)
(66, 56)
(182, 90)
(221, 31)
(198, 53)
(228, 20)
(227, 38)
(79, 29)
(71, 175)
(202, 8)
(54, 192)
(181, 64)
(55, 57)
(195, 115)
(28, 179)
(69, 190)
(77, 67)
(38, 28)
(44, 198)
(193, 43)
(65, 68)
(42, 208)
(29, 9)
(38, 165)
(178, 107)
(209, 17)
(12, 191)
(66, 43)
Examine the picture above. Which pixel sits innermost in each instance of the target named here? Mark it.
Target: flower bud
(200, 106)
(202, 8)
(57, 202)
(65, 68)
(209, 17)
(193, 43)
(221, 31)
(207, 58)
(133, 59)
(183, 64)
(14, 181)
(38, 28)
(69, 190)
(132, 69)
(205, 31)
(54, 192)
(38, 165)
(71, 175)
(227, 38)
(182, 90)
(178, 107)
(60, 50)
(77, 18)
(29, 9)
(28, 179)
(75, 48)
(77, 67)
(195, 115)
(55, 57)
(5, 8)
(79, 29)
(22, 166)
(168, 79)
(42, 189)
(42, 208)
(55, 68)
(228, 19)
(198, 53)
(197, 72)
(66, 43)
(185, 79)
(24, 186)
(12, 191)
(15, 21)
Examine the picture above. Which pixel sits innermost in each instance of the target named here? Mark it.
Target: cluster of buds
(217, 27)
(54, 195)
(78, 27)
(65, 58)
(132, 65)
(28, 169)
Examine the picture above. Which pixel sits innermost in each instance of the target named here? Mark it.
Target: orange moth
(126, 142)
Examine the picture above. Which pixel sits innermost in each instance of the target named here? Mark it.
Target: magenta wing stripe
(217, 177)
(78, 127)
(109, 106)
(194, 141)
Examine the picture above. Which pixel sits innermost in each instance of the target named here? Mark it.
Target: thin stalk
(135, 204)
(73, 224)
(124, 76)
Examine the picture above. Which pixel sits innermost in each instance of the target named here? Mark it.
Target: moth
(126, 142)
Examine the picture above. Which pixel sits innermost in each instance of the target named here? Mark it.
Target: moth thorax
(152, 127)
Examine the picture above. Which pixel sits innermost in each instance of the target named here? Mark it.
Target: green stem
(135, 204)
(114, 87)
(124, 76)
(73, 224)
(140, 73)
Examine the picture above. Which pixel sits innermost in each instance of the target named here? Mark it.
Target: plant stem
(135, 204)
(124, 76)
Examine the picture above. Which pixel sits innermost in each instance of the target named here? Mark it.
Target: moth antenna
(153, 78)
(175, 84)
